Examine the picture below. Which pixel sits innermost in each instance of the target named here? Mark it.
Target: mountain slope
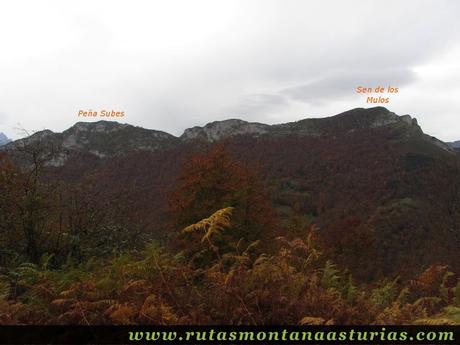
(101, 139)
(109, 139)
(385, 195)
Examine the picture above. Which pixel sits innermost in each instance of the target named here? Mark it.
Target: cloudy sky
(171, 64)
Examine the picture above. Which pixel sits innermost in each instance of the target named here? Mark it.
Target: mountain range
(377, 186)
(3, 139)
(105, 139)
(455, 144)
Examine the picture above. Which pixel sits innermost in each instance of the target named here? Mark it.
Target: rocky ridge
(109, 139)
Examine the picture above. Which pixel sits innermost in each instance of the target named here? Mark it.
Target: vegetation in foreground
(293, 286)
(64, 262)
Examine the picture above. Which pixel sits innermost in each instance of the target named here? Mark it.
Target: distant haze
(171, 64)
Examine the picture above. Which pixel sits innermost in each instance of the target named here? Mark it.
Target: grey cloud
(170, 70)
(344, 84)
(258, 104)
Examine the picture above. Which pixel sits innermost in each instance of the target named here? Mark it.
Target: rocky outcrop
(101, 139)
(218, 130)
(349, 121)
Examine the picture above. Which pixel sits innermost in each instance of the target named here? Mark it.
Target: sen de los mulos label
(378, 89)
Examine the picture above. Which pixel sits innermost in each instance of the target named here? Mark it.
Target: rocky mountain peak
(110, 137)
(4, 139)
(102, 139)
(221, 129)
(347, 122)
(97, 127)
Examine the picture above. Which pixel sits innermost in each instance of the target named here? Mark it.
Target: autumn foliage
(227, 259)
(215, 180)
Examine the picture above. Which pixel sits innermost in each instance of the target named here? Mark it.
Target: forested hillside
(349, 219)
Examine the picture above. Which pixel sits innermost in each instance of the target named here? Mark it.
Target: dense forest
(227, 254)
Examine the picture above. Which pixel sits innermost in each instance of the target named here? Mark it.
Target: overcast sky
(173, 64)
